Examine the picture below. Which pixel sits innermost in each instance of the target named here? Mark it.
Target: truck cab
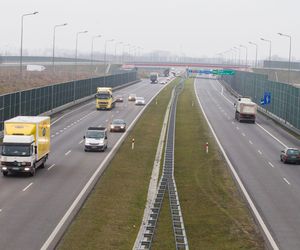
(26, 144)
(95, 139)
(104, 99)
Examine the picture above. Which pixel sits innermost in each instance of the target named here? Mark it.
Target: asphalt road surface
(254, 151)
(30, 208)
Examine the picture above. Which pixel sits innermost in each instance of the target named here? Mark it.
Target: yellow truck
(104, 99)
(26, 144)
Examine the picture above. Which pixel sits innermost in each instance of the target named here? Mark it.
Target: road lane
(31, 215)
(274, 190)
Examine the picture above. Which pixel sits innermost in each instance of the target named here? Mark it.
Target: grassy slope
(215, 215)
(111, 217)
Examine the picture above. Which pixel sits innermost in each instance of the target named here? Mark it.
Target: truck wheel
(5, 173)
(32, 173)
(43, 165)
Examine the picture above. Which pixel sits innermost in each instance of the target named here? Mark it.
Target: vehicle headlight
(24, 163)
(4, 168)
(112, 126)
(122, 126)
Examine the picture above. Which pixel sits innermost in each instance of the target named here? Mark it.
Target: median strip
(111, 216)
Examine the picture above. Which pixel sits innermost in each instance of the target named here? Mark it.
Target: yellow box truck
(26, 144)
(104, 99)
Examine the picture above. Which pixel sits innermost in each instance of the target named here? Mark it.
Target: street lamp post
(22, 24)
(256, 48)
(290, 53)
(92, 59)
(289, 71)
(124, 46)
(237, 48)
(105, 46)
(92, 50)
(53, 47)
(116, 45)
(246, 60)
(76, 49)
(270, 48)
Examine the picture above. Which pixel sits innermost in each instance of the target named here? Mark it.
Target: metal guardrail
(167, 183)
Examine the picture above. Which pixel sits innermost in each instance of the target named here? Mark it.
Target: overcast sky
(193, 27)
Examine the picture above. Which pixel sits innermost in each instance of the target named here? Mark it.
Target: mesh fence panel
(285, 99)
(39, 100)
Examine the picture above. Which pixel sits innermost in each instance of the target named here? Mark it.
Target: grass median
(214, 213)
(111, 216)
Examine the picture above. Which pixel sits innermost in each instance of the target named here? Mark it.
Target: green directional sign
(223, 72)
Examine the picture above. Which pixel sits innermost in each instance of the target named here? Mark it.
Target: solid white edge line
(275, 138)
(93, 177)
(24, 189)
(72, 111)
(239, 181)
(53, 165)
(286, 181)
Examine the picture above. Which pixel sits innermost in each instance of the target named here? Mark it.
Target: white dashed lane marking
(286, 181)
(251, 142)
(271, 164)
(53, 165)
(259, 152)
(68, 152)
(27, 187)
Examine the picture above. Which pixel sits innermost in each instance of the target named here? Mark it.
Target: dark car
(119, 98)
(290, 155)
(118, 125)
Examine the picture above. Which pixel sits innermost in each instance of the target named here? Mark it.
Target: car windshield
(16, 150)
(94, 134)
(293, 152)
(118, 122)
(103, 96)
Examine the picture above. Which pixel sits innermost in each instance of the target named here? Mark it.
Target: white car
(163, 82)
(95, 139)
(139, 101)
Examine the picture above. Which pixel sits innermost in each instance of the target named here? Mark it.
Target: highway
(254, 151)
(31, 207)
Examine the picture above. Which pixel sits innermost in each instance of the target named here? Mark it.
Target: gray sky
(193, 27)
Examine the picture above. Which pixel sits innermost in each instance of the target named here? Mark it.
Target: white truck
(245, 110)
(26, 144)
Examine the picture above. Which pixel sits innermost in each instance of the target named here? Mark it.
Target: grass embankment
(111, 216)
(215, 215)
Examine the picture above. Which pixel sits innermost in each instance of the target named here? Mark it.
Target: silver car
(139, 101)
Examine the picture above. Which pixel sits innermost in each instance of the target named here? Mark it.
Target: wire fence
(39, 100)
(285, 98)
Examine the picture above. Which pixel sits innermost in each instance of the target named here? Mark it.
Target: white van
(95, 139)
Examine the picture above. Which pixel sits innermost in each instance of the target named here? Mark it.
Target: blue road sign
(266, 99)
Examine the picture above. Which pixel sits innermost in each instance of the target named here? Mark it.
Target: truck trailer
(245, 110)
(154, 77)
(26, 144)
(104, 99)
